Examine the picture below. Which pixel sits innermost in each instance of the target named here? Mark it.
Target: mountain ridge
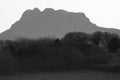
(49, 22)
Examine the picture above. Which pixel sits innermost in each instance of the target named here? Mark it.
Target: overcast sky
(105, 13)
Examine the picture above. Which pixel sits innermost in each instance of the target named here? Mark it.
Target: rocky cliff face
(50, 23)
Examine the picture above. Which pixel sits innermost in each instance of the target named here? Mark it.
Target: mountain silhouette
(51, 23)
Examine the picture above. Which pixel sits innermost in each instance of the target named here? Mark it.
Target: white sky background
(105, 13)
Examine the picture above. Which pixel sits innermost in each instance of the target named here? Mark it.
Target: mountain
(51, 23)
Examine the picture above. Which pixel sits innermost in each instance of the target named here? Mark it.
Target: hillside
(51, 23)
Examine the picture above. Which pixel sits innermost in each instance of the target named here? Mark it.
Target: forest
(74, 52)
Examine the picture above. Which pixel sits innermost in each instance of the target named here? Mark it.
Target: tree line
(76, 50)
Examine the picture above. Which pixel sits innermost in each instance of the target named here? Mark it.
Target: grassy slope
(83, 75)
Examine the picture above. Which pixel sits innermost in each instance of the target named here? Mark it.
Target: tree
(106, 37)
(57, 43)
(114, 44)
(78, 40)
(75, 38)
(96, 37)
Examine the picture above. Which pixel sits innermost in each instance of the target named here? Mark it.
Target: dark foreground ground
(81, 75)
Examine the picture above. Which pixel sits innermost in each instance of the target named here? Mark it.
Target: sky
(104, 13)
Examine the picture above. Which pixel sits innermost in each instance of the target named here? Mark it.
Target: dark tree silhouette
(9, 46)
(114, 44)
(96, 37)
(75, 38)
(78, 40)
(57, 43)
(106, 37)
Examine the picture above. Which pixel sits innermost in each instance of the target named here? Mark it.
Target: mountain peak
(30, 13)
(48, 10)
(36, 10)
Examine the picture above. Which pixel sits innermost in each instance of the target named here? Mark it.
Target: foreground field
(83, 75)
